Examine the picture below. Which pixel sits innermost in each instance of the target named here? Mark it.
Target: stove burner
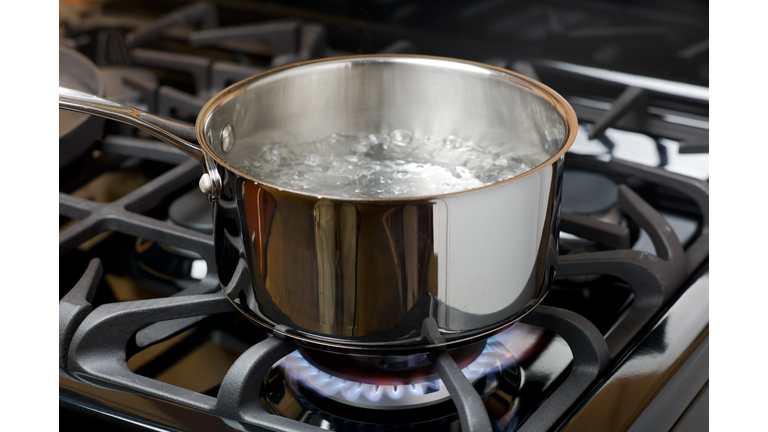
(390, 370)
(299, 372)
(593, 195)
(500, 357)
(588, 193)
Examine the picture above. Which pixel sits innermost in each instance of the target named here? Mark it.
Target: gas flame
(497, 354)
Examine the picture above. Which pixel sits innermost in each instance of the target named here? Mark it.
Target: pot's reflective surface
(431, 97)
(368, 274)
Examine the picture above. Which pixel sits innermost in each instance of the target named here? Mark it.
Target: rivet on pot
(205, 183)
(227, 138)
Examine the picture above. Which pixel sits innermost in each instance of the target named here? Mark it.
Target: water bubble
(486, 162)
(500, 161)
(450, 141)
(312, 159)
(400, 190)
(272, 155)
(463, 146)
(401, 137)
(489, 176)
(376, 138)
(360, 148)
(461, 172)
(351, 158)
(366, 170)
(401, 174)
(505, 175)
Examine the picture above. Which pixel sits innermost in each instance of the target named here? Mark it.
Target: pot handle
(161, 128)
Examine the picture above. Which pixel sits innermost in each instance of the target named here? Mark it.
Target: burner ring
(295, 389)
(303, 378)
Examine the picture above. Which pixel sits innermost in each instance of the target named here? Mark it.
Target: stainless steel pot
(377, 276)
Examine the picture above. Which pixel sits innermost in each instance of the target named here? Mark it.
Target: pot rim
(560, 104)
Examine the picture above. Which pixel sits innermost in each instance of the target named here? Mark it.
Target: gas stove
(148, 341)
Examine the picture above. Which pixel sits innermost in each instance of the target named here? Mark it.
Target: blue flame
(509, 346)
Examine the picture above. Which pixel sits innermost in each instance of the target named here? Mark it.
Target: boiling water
(395, 165)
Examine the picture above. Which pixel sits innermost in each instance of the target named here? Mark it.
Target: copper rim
(562, 106)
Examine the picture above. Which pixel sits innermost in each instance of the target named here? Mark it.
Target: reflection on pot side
(372, 271)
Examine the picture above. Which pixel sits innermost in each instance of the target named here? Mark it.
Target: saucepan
(372, 275)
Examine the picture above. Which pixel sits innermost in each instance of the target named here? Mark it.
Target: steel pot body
(384, 276)
(365, 275)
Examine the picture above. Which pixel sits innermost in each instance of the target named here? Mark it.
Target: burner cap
(588, 193)
(192, 210)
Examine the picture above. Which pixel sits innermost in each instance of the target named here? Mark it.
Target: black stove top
(147, 340)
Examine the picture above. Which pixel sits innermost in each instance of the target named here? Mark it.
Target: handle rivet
(205, 183)
(227, 138)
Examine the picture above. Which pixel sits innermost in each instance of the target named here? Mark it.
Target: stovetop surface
(146, 295)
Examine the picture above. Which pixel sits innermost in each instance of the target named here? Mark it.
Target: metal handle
(164, 129)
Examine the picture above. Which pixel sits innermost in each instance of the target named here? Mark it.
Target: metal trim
(565, 109)
(677, 395)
